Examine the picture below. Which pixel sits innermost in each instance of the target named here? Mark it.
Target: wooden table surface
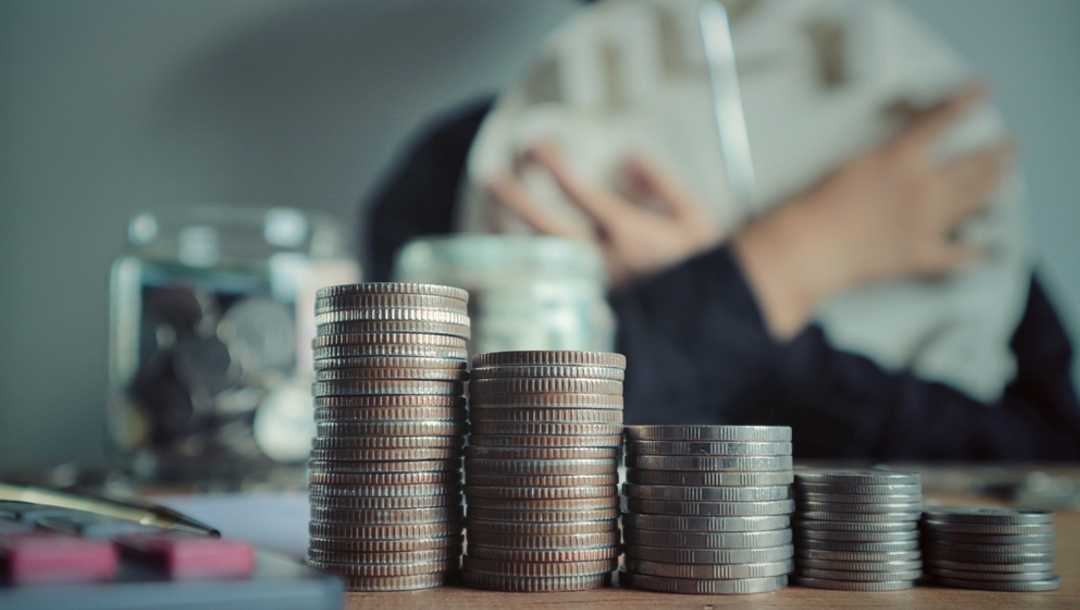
(614, 598)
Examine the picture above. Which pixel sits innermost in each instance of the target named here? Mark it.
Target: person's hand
(888, 214)
(657, 225)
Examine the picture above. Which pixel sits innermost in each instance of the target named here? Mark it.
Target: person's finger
(602, 207)
(968, 181)
(508, 192)
(928, 126)
(650, 179)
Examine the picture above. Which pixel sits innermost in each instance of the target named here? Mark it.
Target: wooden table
(1068, 566)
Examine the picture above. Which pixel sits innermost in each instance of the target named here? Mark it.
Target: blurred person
(719, 325)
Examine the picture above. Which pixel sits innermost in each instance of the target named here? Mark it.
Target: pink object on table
(182, 556)
(37, 558)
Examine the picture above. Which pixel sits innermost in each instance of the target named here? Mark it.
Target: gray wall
(113, 106)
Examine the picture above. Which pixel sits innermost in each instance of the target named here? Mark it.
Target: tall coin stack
(384, 475)
(708, 508)
(858, 530)
(541, 470)
(996, 549)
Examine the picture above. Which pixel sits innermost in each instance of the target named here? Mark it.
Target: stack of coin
(384, 476)
(708, 508)
(541, 470)
(858, 530)
(996, 549)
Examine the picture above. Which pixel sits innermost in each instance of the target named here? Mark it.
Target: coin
(858, 488)
(541, 492)
(872, 476)
(539, 541)
(360, 327)
(396, 489)
(383, 502)
(499, 582)
(710, 556)
(386, 455)
(386, 569)
(389, 401)
(545, 428)
(838, 508)
(555, 400)
(937, 554)
(541, 467)
(383, 414)
(707, 448)
(390, 362)
(985, 528)
(379, 479)
(537, 505)
(861, 566)
(371, 517)
(858, 556)
(710, 433)
(937, 564)
(390, 428)
(712, 509)
(386, 443)
(479, 413)
(544, 555)
(994, 576)
(524, 440)
(696, 462)
(859, 526)
(323, 529)
(1050, 584)
(865, 547)
(377, 340)
(865, 517)
(706, 494)
(709, 571)
(933, 544)
(707, 540)
(390, 354)
(854, 576)
(403, 545)
(378, 301)
(396, 583)
(427, 374)
(541, 516)
(550, 371)
(538, 570)
(705, 524)
(542, 453)
(336, 556)
(475, 481)
(703, 587)
(709, 479)
(387, 387)
(850, 585)
(383, 314)
(480, 388)
(989, 515)
(831, 498)
(970, 538)
(812, 534)
(368, 288)
(549, 358)
(551, 529)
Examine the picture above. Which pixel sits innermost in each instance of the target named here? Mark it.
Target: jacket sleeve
(699, 352)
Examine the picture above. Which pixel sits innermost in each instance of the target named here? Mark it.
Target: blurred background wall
(114, 106)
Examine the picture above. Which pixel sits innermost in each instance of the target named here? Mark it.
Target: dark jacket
(699, 351)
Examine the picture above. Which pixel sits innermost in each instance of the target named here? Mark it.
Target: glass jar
(210, 330)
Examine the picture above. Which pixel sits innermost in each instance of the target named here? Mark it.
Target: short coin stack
(541, 470)
(858, 530)
(384, 475)
(996, 549)
(708, 508)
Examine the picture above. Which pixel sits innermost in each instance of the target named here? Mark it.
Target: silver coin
(984, 528)
(387, 387)
(367, 288)
(1050, 584)
(862, 547)
(545, 428)
(1038, 547)
(812, 534)
(362, 341)
(386, 443)
(831, 498)
(859, 576)
(422, 489)
(707, 448)
(549, 371)
(871, 476)
(707, 540)
(541, 541)
(867, 517)
(476, 482)
(760, 434)
(379, 301)
(937, 554)
(549, 358)
(386, 401)
(710, 571)
(389, 414)
(695, 462)
(558, 528)
(482, 387)
(522, 441)
(390, 428)
(339, 556)
(859, 556)
(832, 507)
(860, 566)
(384, 502)
(969, 566)
(389, 353)
(705, 524)
(710, 556)
(479, 412)
(519, 584)
(542, 453)
(711, 509)
(989, 515)
(541, 467)
(544, 555)
(703, 587)
(849, 585)
(969, 538)
(381, 327)
(884, 489)
(327, 467)
(709, 479)
(706, 494)
(541, 516)
(994, 576)
(385, 314)
(387, 516)
(541, 493)
(551, 400)
(368, 373)
(858, 526)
